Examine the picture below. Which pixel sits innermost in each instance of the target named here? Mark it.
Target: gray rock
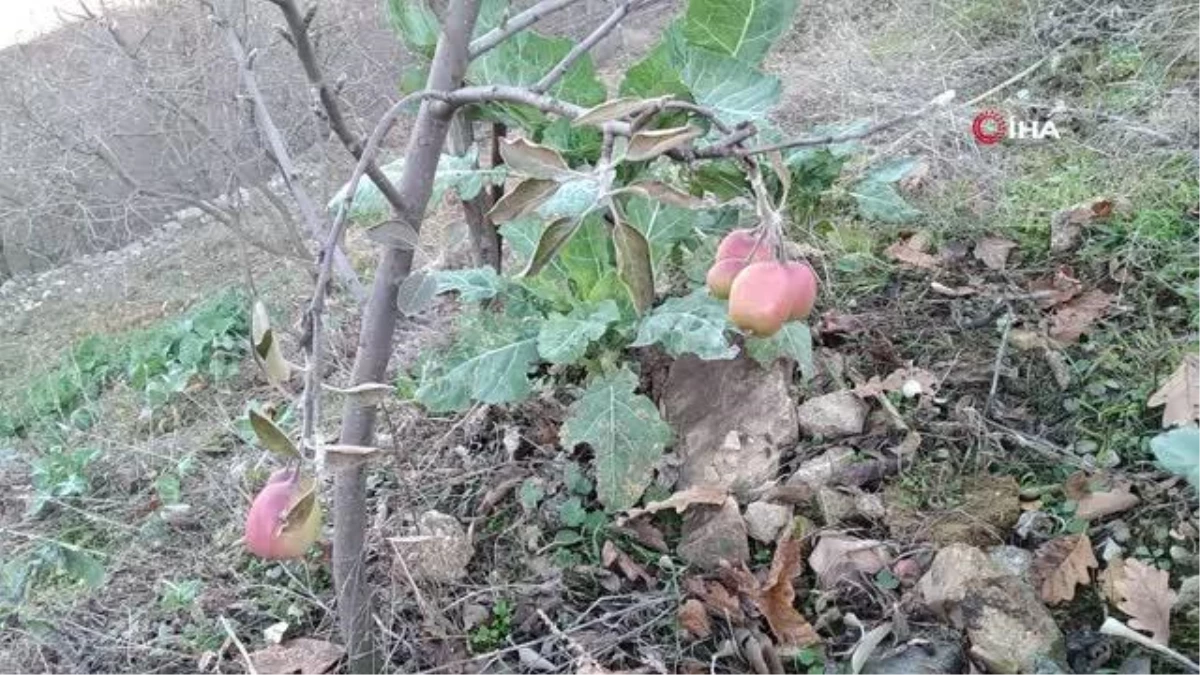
(1119, 531)
(1189, 594)
(836, 506)
(437, 549)
(733, 418)
(764, 520)
(1009, 629)
(712, 534)
(941, 654)
(821, 469)
(835, 415)
(1013, 560)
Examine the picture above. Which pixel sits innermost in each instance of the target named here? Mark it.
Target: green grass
(159, 362)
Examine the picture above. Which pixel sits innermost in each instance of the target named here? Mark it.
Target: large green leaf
(522, 60)
(459, 173)
(571, 199)
(663, 226)
(416, 24)
(1176, 451)
(625, 432)
(793, 341)
(489, 363)
(694, 324)
(565, 337)
(473, 284)
(582, 262)
(741, 29)
(656, 74)
(880, 201)
(735, 91)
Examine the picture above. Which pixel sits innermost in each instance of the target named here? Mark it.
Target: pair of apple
(763, 292)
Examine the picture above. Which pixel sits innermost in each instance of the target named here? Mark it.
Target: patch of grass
(160, 361)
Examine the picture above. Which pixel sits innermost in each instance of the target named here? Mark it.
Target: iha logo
(991, 126)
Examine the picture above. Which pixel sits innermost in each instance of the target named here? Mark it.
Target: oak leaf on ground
(777, 597)
(1180, 394)
(1060, 565)
(1147, 598)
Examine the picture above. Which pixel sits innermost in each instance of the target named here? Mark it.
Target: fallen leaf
(1055, 290)
(778, 595)
(1146, 596)
(1061, 564)
(837, 557)
(300, 655)
(901, 379)
(610, 555)
(1072, 320)
(1067, 225)
(846, 324)
(993, 252)
(717, 599)
(1108, 578)
(645, 533)
(535, 661)
(912, 251)
(693, 618)
(1180, 394)
(951, 291)
(680, 501)
(1058, 368)
(1097, 496)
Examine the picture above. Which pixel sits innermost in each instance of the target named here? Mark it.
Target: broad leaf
(556, 234)
(266, 346)
(663, 226)
(656, 74)
(473, 285)
(633, 264)
(580, 145)
(1176, 452)
(880, 201)
(416, 24)
(301, 507)
(533, 160)
(522, 199)
(459, 173)
(565, 338)
(416, 293)
(694, 324)
(615, 110)
(793, 341)
(272, 437)
(735, 91)
(572, 199)
(588, 257)
(649, 144)
(892, 171)
(490, 363)
(626, 434)
(741, 29)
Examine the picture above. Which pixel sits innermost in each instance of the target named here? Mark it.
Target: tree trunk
(375, 338)
(485, 239)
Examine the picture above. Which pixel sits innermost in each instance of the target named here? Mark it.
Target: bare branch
(582, 48)
(516, 24)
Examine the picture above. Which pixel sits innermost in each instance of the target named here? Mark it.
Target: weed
(60, 474)
(180, 596)
(493, 633)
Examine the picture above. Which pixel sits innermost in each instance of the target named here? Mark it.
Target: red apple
(759, 301)
(738, 245)
(265, 535)
(802, 289)
(721, 275)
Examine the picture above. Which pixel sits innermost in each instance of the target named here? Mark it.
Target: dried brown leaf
(1072, 320)
(1067, 225)
(912, 251)
(719, 601)
(1146, 596)
(919, 380)
(667, 194)
(611, 556)
(645, 145)
(693, 618)
(300, 655)
(1101, 504)
(845, 324)
(993, 252)
(1055, 290)
(645, 533)
(838, 557)
(1061, 564)
(681, 501)
(533, 160)
(1180, 394)
(777, 597)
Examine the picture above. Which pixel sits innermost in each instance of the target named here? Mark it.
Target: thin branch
(518, 23)
(582, 48)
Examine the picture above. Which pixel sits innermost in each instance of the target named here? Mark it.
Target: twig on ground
(240, 647)
(1117, 629)
(1043, 447)
(999, 362)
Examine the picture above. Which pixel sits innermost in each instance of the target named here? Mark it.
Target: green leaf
(576, 482)
(82, 566)
(490, 363)
(880, 201)
(572, 199)
(416, 24)
(662, 225)
(793, 341)
(741, 29)
(579, 145)
(565, 338)
(272, 437)
(459, 173)
(531, 493)
(416, 293)
(555, 235)
(633, 264)
(722, 178)
(892, 171)
(736, 92)
(571, 512)
(656, 74)
(588, 257)
(625, 432)
(694, 324)
(1176, 451)
(473, 285)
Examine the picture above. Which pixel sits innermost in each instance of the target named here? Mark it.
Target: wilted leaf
(645, 533)
(1055, 290)
(993, 252)
(680, 501)
(667, 194)
(565, 338)
(349, 455)
(909, 381)
(531, 159)
(952, 291)
(717, 599)
(611, 555)
(867, 646)
(694, 324)
(1146, 596)
(276, 368)
(556, 235)
(649, 144)
(302, 505)
(1180, 394)
(912, 251)
(625, 432)
(615, 110)
(693, 618)
(741, 30)
(1061, 564)
(837, 557)
(1067, 225)
(1175, 451)
(1098, 496)
(793, 341)
(1072, 320)
(633, 263)
(394, 233)
(299, 655)
(777, 597)
(522, 199)
(272, 437)
(366, 394)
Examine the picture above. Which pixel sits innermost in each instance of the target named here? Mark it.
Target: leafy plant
(492, 633)
(61, 473)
